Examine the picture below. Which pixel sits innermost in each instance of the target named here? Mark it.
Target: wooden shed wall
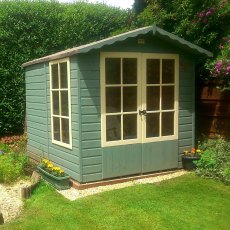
(36, 110)
(39, 119)
(90, 111)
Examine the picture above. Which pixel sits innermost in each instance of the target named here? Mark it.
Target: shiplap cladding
(39, 119)
(36, 111)
(87, 160)
(90, 116)
(101, 163)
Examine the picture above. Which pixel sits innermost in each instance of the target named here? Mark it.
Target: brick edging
(79, 186)
(27, 191)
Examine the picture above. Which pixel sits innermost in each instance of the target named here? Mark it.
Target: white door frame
(141, 96)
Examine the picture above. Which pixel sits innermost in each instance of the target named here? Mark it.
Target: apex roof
(156, 31)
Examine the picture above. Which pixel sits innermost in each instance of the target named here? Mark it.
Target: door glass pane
(153, 98)
(55, 102)
(167, 97)
(167, 123)
(63, 75)
(54, 69)
(152, 124)
(113, 99)
(129, 126)
(113, 70)
(130, 99)
(153, 71)
(129, 70)
(64, 103)
(65, 130)
(168, 70)
(113, 127)
(56, 128)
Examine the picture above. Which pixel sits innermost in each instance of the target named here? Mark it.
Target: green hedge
(29, 30)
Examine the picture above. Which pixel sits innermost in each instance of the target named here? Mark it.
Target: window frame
(60, 143)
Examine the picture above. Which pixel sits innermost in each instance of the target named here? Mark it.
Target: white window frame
(60, 143)
(141, 96)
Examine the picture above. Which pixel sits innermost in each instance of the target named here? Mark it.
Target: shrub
(205, 23)
(215, 160)
(12, 167)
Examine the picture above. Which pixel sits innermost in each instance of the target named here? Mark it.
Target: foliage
(215, 160)
(12, 166)
(32, 29)
(16, 143)
(139, 5)
(180, 203)
(50, 168)
(205, 23)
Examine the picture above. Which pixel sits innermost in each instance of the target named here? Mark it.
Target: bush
(215, 160)
(205, 23)
(12, 167)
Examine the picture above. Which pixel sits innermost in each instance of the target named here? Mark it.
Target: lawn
(187, 202)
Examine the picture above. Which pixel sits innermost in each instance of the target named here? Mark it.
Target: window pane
(130, 99)
(65, 130)
(113, 99)
(152, 124)
(63, 75)
(129, 126)
(129, 71)
(55, 102)
(167, 97)
(56, 128)
(167, 123)
(168, 70)
(64, 103)
(54, 69)
(113, 128)
(113, 70)
(153, 71)
(153, 98)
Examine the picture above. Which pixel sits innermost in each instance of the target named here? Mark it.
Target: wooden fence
(212, 111)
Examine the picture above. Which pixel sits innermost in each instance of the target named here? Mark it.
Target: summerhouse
(116, 107)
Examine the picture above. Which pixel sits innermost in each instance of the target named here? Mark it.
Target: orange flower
(193, 150)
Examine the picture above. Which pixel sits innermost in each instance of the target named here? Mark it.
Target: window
(60, 103)
(139, 98)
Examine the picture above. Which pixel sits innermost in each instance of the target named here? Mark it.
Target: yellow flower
(186, 152)
(50, 165)
(198, 151)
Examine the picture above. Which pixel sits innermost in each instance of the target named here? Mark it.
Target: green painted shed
(116, 107)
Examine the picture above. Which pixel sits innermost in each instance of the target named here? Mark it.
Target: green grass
(187, 202)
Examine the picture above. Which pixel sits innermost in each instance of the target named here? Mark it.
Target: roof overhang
(188, 46)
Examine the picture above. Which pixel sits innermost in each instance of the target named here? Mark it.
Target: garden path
(10, 200)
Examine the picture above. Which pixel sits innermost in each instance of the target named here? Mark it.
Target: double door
(139, 98)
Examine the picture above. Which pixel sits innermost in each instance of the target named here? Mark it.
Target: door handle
(143, 112)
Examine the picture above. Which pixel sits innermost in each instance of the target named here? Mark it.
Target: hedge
(30, 30)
